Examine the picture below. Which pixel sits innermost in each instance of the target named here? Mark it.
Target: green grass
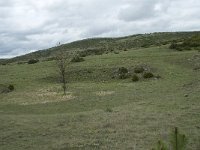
(37, 116)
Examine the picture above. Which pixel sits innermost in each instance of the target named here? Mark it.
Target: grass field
(100, 112)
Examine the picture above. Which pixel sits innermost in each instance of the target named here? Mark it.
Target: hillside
(105, 45)
(104, 108)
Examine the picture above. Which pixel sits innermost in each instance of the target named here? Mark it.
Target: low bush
(116, 52)
(135, 78)
(109, 110)
(139, 69)
(11, 87)
(83, 54)
(33, 61)
(123, 76)
(122, 70)
(148, 75)
(173, 45)
(6, 89)
(77, 59)
(122, 73)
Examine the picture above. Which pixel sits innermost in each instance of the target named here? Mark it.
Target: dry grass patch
(44, 96)
(104, 93)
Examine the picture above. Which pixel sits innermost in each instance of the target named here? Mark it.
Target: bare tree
(62, 64)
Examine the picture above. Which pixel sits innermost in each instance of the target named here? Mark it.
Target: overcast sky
(29, 25)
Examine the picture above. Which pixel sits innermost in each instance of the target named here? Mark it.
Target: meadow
(99, 111)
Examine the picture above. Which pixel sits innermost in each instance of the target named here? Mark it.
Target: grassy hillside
(106, 45)
(99, 110)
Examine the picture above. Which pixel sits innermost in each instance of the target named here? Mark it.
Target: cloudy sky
(29, 25)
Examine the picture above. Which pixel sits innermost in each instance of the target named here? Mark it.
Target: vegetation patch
(135, 78)
(6, 89)
(187, 44)
(109, 110)
(122, 73)
(77, 59)
(11, 87)
(139, 69)
(33, 61)
(147, 75)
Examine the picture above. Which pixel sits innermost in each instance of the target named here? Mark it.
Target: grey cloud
(31, 25)
(138, 10)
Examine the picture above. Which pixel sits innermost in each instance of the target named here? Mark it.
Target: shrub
(179, 48)
(135, 78)
(122, 70)
(11, 87)
(33, 61)
(109, 110)
(77, 59)
(146, 45)
(123, 73)
(19, 63)
(50, 59)
(83, 54)
(6, 89)
(173, 46)
(115, 52)
(148, 75)
(139, 70)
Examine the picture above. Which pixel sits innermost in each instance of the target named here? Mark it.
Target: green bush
(123, 76)
(109, 110)
(77, 59)
(11, 87)
(122, 73)
(83, 54)
(135, 78)
(139, 69)
(173, 46)
(148, 75)
(116, 52)
(33, 61)
(122, 70)
(6, 89)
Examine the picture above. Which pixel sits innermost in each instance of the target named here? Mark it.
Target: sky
(30, 25)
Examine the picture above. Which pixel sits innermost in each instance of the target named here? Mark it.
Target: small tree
(62, 64)
(178, 142)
